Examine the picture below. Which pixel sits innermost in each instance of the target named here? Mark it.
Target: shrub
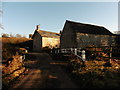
(9, 46)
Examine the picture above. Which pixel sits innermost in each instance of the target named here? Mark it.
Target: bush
(8, 51)
(9, 46)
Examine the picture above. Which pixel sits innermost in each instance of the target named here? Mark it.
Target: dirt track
(44, 73)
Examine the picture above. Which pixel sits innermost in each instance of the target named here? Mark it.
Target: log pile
(12, 69)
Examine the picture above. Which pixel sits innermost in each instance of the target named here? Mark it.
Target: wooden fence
(103, 52)
(78, 52)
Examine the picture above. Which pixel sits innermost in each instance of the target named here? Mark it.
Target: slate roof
(88, 28)
(47, 34)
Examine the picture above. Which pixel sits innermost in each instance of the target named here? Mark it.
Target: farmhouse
(43, 39)
(79, 35)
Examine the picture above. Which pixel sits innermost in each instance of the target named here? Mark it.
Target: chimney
(38, 27)
(60, 31)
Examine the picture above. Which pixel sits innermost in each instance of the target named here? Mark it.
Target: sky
(60, 0)
(22, 17)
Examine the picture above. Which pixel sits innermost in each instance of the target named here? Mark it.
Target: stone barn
(118, 40)
(79, 35)
(43, 39)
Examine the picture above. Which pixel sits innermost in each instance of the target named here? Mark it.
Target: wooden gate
(104, 52)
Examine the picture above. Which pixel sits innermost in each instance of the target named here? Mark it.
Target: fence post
(58, 50)
(83, 55)
(95, 51)
(71, 50)
(65, 50)
(110, 53)
(51, 51)
(75, 51)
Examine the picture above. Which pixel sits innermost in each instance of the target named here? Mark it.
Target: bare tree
(11, 35)
(5, 35)
(18, 36)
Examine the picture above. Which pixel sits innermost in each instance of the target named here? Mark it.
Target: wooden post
(83, 55)
(58, 50)
(95, 52)
(71, 50)
(75, 51)
(61, 50)
(65, 50)
(51, 51)
(110, 53)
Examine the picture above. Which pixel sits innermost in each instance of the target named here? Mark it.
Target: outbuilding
(43, 39)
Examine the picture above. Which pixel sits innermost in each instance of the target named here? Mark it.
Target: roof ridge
(82, 23)
(48, 31)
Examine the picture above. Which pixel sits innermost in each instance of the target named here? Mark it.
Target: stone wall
(84, 40)
(118, 40)
(50, 42)
(67, 38)
(37, 42)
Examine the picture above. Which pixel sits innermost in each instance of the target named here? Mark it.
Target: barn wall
(118, 40)
(84, 40)
(37, 42)
(50, 42)
(67, 39)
